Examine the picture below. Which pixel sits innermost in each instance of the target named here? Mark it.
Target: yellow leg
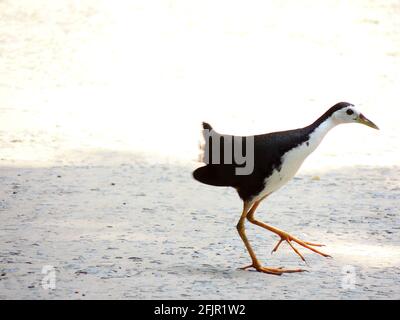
(284, 235)
(255, 263)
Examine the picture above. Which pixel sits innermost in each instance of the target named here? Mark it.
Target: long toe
(247, 267)
(305, 245)
(278, 271)
(314, 244)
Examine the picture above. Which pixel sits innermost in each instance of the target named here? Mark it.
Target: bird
(273, 160)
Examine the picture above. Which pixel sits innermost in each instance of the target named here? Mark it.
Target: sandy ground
(99, 122)
(140, 230)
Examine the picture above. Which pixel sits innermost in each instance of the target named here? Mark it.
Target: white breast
(293, 159)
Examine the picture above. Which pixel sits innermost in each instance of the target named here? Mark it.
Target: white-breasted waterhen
(277, 157)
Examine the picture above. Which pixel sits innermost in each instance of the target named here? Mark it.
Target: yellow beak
(363, 120)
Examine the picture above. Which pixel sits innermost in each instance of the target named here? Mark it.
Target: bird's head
(344, 112)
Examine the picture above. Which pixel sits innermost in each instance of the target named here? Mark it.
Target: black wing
(268, 151)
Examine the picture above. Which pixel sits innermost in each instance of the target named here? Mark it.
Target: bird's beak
(363, 120)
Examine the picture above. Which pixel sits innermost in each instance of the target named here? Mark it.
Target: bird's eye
(349, 112)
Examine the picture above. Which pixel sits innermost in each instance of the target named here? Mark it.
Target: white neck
(319, 133)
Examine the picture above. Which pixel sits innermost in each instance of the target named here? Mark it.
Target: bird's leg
(255, 263)
(284, 236)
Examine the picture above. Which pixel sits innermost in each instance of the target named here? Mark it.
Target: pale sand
(157, 233)
(100, 113)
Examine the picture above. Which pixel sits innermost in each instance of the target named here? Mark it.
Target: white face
(347, 115)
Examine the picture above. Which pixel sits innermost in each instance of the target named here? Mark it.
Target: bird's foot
(309, 245)
(276, 271)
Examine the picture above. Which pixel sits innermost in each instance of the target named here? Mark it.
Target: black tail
(213, 175)
(206, 126)
(204, 143)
